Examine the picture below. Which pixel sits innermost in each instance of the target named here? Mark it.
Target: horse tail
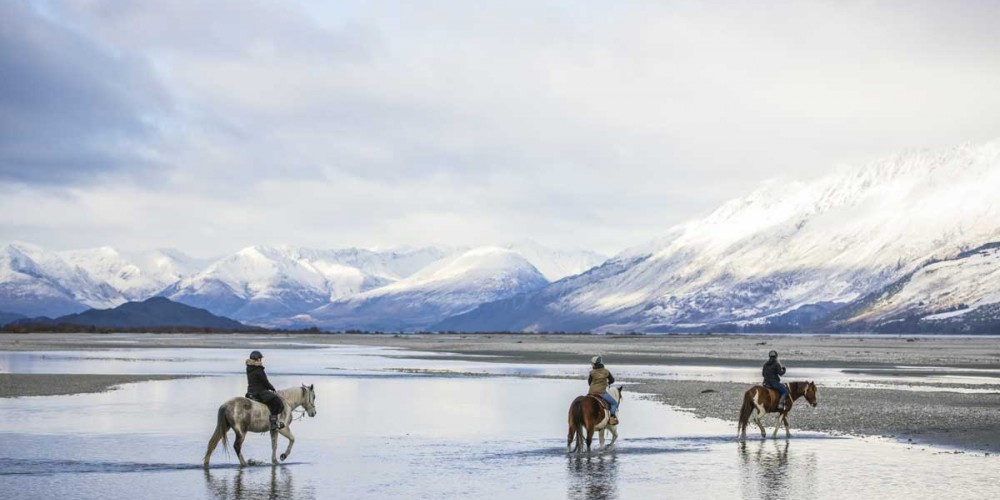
(745, 411)
(222, 428)
(575, 424)
(221, 431)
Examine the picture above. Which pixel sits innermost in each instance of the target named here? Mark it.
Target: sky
(211, 126)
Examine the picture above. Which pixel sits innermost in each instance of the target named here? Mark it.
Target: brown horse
(586, 412)
(759, 400)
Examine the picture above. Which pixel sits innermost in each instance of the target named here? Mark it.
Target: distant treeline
(75, 328)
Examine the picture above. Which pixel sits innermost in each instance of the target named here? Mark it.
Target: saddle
(601, 401)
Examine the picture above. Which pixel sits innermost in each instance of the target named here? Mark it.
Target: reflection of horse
(765, 470)
(593, 477)
(759, 400)
(243, 415)
(245, 484)
(590, 413)
(775, 469)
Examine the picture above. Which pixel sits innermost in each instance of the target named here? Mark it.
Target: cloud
(362, 123)
(70, 110)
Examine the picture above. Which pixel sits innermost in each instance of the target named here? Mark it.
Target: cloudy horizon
(209, 127)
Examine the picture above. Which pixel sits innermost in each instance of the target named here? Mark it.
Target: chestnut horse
(759, 400)
(588, 412)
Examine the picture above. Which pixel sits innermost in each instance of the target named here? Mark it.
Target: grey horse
(244, 415)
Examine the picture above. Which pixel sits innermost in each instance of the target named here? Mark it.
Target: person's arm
(267, 383)
(590, 379)
(611, 378)
(781, 369)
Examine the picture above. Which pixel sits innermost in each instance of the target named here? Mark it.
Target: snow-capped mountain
(837, 243)
(262, 283)
(34, 282)
(557, 264)
(450, 286)
(136, 276)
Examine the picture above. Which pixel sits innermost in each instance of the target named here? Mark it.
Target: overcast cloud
(209, 126)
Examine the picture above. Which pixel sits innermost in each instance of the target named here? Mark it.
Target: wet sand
(966, 421)
(16, 385)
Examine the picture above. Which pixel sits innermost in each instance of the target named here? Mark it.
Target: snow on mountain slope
(258, 284)
(447, 287)
(942, 290)
(557, 264)
(34, 282)
(261, 283)
(137, 276)
(784, 246)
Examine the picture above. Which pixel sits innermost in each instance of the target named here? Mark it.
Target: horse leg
(238, 446)
(590, 436)
(788, 432)
(569, 438)
(756, 418)
(600, 437)
(274, 447)
(287, 432)
(614, 435)
(579, 439)
(777, 425)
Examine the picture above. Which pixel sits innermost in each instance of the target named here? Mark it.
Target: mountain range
(908, 243)
(282, 285)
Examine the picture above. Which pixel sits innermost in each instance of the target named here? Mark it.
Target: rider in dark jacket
(259, 388)
(773, 370)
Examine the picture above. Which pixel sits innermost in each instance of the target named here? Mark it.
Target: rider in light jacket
(600, 379)
(772, 371)
(259, 388)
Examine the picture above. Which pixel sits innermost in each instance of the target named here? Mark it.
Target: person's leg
(611, 401)
(613, 420)
(783, 390)
(274, 405)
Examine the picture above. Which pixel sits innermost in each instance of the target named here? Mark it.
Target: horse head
(616, 392)
(309, 399)
(810, 393)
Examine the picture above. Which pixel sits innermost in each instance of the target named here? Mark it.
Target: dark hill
(157, 312)
(6, 317)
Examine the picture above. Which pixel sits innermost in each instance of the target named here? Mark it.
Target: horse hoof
(283, 457)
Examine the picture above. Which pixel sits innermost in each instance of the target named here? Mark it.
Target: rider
(773, 370)
(600, 379)
(259, 388)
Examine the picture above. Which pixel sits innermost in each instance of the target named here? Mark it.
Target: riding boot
(781, 403)
(613, 420)
(274, 423)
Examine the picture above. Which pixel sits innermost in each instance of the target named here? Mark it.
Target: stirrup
(613, 420)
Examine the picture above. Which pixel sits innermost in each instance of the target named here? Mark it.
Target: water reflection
(593, 477)
(767, 471)
(253, 484)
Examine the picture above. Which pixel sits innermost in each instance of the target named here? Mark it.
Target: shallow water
(386, 361)
(384, 434)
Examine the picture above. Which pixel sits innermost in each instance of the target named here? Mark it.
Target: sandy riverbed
(13, 385)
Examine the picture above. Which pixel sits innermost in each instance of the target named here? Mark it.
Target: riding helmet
(597, 360)
(772, 354)
(256, 355)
